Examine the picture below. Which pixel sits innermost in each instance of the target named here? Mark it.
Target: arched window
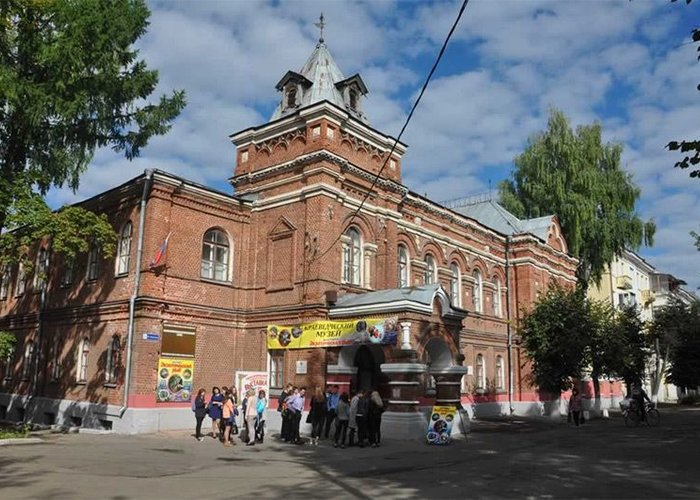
(500, 373)
(429, 270)
(352, 256)
(496, 297)
(476, 292)
(124, 249)
(42, 268)
(403, 267)
(27, 361)
(93, 268)
(291, 97)
(21, 281)
(83, 359)
(215, 255)
(455, 280)
(113, 360)
(480, 372)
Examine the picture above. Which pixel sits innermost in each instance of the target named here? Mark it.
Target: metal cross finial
(320, 24)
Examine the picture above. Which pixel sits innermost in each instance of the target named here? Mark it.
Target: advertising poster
(333, 333)
(440, 426)
(175, 378)
(252, 380)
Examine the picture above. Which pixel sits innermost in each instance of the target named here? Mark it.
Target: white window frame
(124, 249)
(27, 360)
(276, 369)
(8, 365)
(430, 268)
(455, 281)
(67, 273)
(480, 372)
(477, 291)
(93, 263)
(42, 269)
(500, 373)
(21, 284)
(5, 283)
(352, 257)
(497, 311)
(55, 361)
(216, 256)
(403, 267)
(81, 367)
(113, 360)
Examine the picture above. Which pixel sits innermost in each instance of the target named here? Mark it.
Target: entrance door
(368, 369)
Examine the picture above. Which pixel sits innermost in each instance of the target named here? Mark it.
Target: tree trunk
(597, 404)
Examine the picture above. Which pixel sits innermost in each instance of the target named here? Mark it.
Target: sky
(628, 64)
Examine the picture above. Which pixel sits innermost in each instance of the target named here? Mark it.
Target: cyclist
(638, 396)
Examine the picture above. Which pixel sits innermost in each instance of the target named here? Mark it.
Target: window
(429, 277)
(178, 341)
(124, 249)
(215, 255)
(352, 257)
(476, 293)
(113, 360)
(276, 369)
(27, 361)
(403, 267)
(21, 281)
(55, 361)
(42, 268)
(500, 373)
(454, 284)
(9, 358)
(291, 97)
(496, 297)
(5, 283)
(93, 267)
(83, 358)
(626, 299)
(480, 372)
(353, 99)
(68, 271)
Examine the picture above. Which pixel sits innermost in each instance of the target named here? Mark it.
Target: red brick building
(320, 227)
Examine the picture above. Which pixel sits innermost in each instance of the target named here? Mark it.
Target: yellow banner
(175, 377)
(333, 333)
(440, 425)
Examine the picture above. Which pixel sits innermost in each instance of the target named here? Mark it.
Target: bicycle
(633, 415)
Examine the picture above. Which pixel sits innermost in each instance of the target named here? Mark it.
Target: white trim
(399, 402)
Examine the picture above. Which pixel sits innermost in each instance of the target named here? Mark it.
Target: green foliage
(696, 236)
(70, 82)
(14, 432)
(7, 344)
(574, 175)
(678, 326)
(556, 336)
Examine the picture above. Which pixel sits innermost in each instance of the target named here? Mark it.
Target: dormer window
(291, 97)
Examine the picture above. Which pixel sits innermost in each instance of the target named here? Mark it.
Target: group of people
(361, 415)
(222, 409)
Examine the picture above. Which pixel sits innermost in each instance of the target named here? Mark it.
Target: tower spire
(320, 25)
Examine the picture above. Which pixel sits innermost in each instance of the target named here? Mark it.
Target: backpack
(194, 404)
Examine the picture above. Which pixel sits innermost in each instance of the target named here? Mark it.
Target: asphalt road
(500, 459)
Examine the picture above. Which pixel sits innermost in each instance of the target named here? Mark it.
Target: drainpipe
(509, 329)
(148, 181)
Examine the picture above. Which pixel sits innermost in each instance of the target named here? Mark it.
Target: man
(281, 403)
(332, 398)
(296, 406)
(639, 395)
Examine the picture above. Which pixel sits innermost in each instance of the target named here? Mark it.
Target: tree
(70, 82)
(691, 148)
(556, 337)
(577, 177)
(676, 329)
(7, 344)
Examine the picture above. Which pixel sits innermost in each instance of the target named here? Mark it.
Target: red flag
(160, 253)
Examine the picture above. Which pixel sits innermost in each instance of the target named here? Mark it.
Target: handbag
(309, 418)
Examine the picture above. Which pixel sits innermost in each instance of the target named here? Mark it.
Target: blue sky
(627, 64)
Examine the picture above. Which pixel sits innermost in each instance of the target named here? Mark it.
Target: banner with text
(440, 426)
(175, 378)
(333, 333)
(251, 380)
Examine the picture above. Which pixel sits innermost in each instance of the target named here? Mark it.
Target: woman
(282, 409)
(215, 411)
(317, 414)
(200, 411)
(234, 399)
(227, 414)
(342, 418)
(575, 406)
(352, 422)
(250, 414)
(376, 407)
(261, 408)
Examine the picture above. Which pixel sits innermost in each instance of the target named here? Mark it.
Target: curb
(20, 441)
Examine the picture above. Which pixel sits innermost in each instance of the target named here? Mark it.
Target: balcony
(623, 282)
(648, 297)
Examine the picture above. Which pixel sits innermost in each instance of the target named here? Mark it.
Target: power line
(396, 141)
